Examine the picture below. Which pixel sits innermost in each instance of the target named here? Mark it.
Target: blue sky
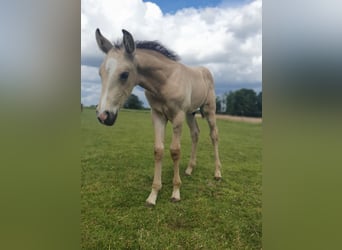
(171, 6)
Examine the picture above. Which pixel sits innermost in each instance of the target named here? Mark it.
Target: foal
(174, 91)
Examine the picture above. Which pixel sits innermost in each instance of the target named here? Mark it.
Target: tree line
(242, 102)
(133, 102)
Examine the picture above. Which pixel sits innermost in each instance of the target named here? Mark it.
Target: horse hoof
(174, 200)
(188, 172)
(149, 204)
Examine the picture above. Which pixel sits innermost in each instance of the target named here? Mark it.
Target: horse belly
(198, 87)
(198, 95)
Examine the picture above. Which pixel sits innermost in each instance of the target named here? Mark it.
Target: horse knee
(158, 153)
(175, 153)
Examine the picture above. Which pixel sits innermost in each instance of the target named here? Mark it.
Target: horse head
(118, 76)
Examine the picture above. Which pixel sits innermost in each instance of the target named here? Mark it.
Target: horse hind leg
(209, 113)
(194, 131)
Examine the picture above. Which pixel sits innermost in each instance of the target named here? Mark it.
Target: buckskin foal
(174, 91)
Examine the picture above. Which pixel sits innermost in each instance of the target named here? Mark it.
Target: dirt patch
(238, 118)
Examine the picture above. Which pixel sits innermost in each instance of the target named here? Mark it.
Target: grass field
(117, 173)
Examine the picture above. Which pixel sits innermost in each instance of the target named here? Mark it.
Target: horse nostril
(106, 117)
(102, 117)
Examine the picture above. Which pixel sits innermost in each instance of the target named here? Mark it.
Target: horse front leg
(159, 123)
(175, 147)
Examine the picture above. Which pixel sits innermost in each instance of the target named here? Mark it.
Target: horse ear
(102, 42)
(128, 42)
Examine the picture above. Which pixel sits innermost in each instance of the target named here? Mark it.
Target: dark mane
(152, 45)
(156, 46)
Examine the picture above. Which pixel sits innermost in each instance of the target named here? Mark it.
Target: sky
(173, 6)
(224, 36)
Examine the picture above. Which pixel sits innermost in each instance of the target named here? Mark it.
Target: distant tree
(230, 107)
(243, 102)
(133, 102)
(259, 103)
(218, 104)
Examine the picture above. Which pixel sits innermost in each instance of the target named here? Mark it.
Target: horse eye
(124, 76)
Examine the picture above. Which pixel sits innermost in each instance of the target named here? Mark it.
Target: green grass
(117, 173)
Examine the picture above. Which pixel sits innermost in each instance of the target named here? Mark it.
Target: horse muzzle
(106, 117)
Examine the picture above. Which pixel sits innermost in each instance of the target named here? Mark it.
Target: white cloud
(225, 39)
(89, 73)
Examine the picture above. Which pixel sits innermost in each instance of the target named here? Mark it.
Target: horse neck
(153, 69)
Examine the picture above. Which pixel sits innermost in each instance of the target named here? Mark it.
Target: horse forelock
(118, 44)
(152, 45)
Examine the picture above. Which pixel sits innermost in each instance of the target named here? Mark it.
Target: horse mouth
(107, 118)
